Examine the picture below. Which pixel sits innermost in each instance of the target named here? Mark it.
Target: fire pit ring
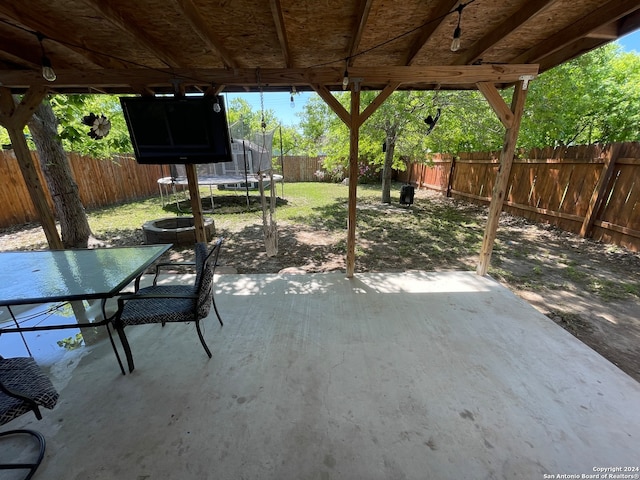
(176, 230)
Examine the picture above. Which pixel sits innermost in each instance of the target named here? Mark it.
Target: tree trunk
(74, 225)
(387, 169)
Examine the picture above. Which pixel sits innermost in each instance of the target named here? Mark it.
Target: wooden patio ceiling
(155, 46)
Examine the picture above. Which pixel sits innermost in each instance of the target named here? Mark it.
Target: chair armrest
(171, 264)
(159, 266)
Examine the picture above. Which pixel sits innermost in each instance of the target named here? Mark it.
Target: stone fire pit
(176, 230)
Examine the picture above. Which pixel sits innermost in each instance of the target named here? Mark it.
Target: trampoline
(251, 163)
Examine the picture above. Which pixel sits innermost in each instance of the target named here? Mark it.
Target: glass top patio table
(66, 275)
(51, 276)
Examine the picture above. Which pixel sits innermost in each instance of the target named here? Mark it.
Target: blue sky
(280, 103)
(631, 42)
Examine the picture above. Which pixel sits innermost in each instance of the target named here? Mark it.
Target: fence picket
(559, 186)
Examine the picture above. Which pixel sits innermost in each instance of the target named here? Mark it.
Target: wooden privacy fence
(593, 191)
(300, 169)
(100, 183)
(108, 182)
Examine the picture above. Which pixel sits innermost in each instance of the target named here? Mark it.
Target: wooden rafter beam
(609, 12)
(54, 32)
(15, 52)
(9, 57)
(363, 15)
(577, 48)
(629, 23)
(206, 33)
(116, 18)
(274, 77)
(607, 32)
(475, 52)
(428, 29)
(281, 30)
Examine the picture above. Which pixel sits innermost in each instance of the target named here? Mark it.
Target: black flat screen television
(169, 130)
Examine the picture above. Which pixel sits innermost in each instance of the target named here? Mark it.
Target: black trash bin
(406, 194)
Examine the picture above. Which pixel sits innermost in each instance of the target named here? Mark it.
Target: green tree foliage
(70, 110)
(594, 98)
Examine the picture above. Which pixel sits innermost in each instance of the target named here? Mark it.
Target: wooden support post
(354, 139)
(196, 203)
(353, 120)
(452, 172)
(34, 186)
(600, 190)
(502, 179)
(14, 118)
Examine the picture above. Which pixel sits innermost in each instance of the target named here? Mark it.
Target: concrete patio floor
(413, 375)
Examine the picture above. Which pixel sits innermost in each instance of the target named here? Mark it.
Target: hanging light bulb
(455, 43)
(293, 92)
(47, 70)
(345, 77)
(217, 107)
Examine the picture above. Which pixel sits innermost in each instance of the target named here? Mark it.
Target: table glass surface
(56, 275)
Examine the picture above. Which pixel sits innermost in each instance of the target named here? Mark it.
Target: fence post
(601, 189)
(451, 174)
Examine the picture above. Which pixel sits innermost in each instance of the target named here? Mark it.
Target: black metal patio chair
(172, 303)
(24, 388)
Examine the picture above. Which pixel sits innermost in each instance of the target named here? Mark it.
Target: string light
(455, 44)
(293, 92)
(345, 77)
(47, 70)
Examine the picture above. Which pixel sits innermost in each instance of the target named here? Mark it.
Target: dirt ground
(590, 289)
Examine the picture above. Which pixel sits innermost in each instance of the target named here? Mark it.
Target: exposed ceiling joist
(531, 8)
(609, 12)
(572, 50)
(206, 33)
(606, 32)
(629, 24)
(363, 15)
(33, 23)
(278, 20)
(116, 18)
(427, 30)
